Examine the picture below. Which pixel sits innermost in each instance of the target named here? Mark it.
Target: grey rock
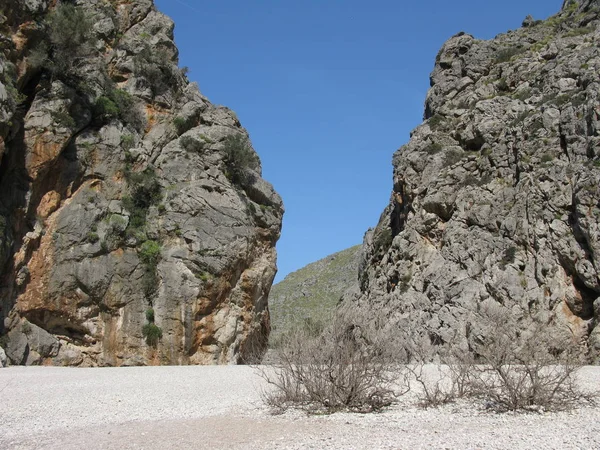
(528, 21)
(111, 214)
(43, 343)
(17, 348)
(496, 195)
(33, 358)
(68, 356)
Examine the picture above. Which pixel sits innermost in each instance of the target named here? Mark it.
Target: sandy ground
(221, 407)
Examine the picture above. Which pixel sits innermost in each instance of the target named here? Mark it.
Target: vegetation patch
(522, 94)
(239, 157)
(547, 157)
(508, 257)
(149, 254)
(520, 119)
(328, 370)
(119, 104)
(145, 192)
(68, 39)
(472, 180)
(507, 54)
(383, 240)
(581, 31)
(93, 237)
(433, 148)
(181, 125)
(64, 119)
(152, 333)
(191, 145)
(156, 65)
(452, 157)
(307, 297)
(436, 121)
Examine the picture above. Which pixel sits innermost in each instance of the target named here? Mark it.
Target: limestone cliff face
(135, 227)
(496, 196)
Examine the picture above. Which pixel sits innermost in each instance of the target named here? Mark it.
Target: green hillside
(312, 292)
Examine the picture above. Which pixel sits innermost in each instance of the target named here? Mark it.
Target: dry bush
(347, 366)
(524, 367)
(355, 364)
(510, 364)
(439, 383)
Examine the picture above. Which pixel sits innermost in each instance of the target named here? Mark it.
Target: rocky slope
(310, 294)
(135, 227)
(496, 196)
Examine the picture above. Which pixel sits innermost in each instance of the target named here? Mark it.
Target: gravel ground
(221, 407)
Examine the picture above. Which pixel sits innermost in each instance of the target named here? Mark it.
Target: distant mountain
(313, 291)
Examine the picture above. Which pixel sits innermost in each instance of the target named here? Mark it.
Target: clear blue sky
(328, 90)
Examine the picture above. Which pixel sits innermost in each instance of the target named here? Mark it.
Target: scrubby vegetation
(191, 144)
(181, 125)
(145, 191)
(436, 121)
(149, 254)
(69, 38)
(506, 54)
(452, 157)
(239, 157)
(151, 332)
(119, 104)
(156, 65)
(343, 367)
(309, 296)
(358, 362)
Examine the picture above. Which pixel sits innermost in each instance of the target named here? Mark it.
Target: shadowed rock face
(497, 194)
(135, 227)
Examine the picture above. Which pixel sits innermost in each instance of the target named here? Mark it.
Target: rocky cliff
(496, 196)
(309, 295)
(135, 227)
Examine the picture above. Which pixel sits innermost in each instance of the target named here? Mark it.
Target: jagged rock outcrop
(135, 227)
(309, 295)
(496, 196)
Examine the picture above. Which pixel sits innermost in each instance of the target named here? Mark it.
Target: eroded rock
(127, 237)
(497, 195)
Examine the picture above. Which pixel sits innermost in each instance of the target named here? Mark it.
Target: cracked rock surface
(129, 232)
(496, 196)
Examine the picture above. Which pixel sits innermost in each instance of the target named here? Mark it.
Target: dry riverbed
(221, 407)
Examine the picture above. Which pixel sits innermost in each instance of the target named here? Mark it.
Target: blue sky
(328, 90)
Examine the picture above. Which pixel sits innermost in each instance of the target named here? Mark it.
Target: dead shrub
(508, 364)
(439, 383)
(347, 366)
(524, 366)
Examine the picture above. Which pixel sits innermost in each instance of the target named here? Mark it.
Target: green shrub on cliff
(239, 157)
(149, 253)
(119, 104)
(152, 333)
(68, 37)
